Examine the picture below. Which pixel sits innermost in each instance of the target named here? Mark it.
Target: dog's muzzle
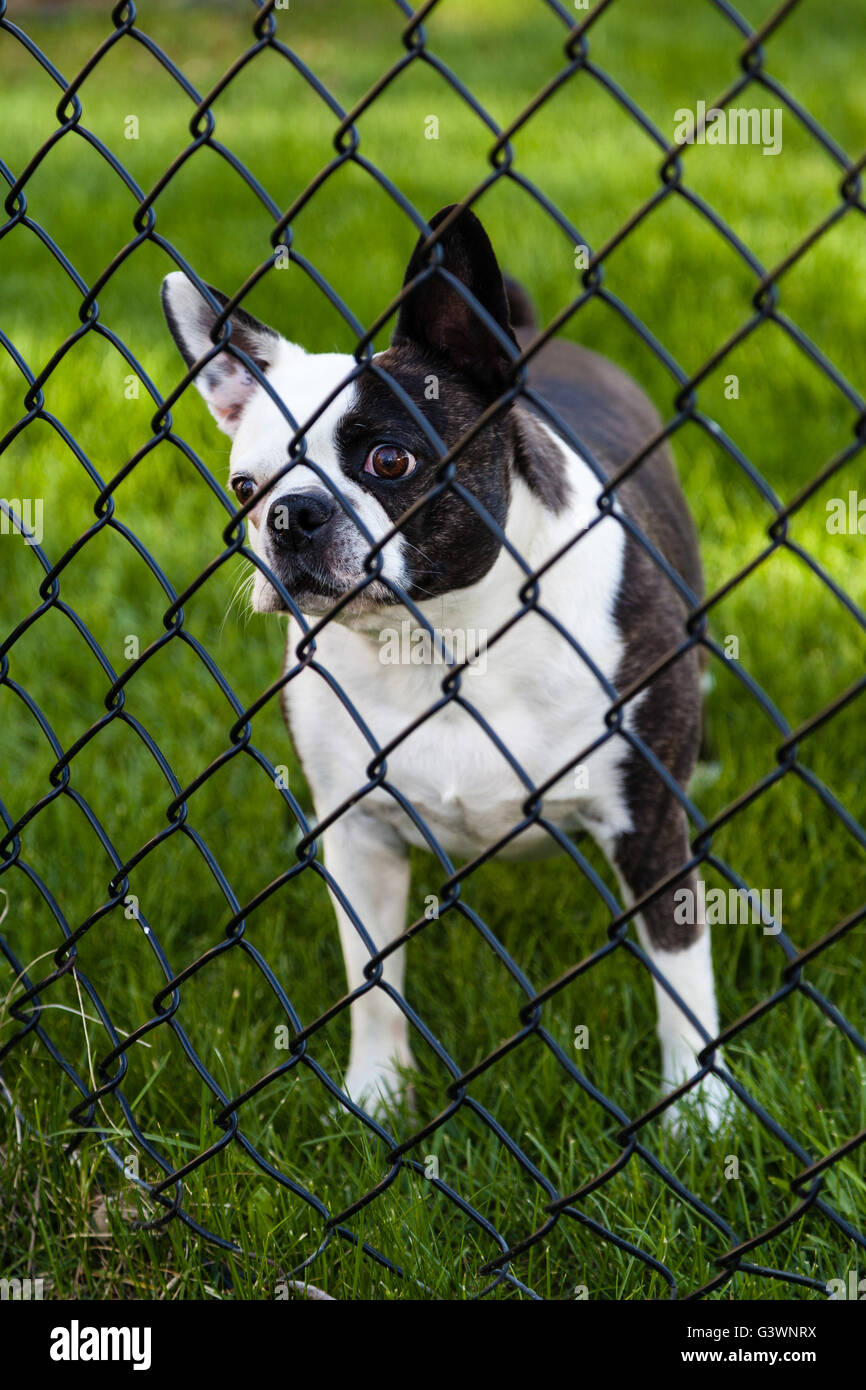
(314, 551)
(295, 519)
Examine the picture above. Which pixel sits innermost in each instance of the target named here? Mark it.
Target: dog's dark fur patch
(611, 417)
(465, 547)
(436, 314)
(538, 461)
(439, 339)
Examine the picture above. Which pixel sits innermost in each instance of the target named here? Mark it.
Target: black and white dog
(535, 691)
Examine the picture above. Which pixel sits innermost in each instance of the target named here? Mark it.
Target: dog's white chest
(532, 695)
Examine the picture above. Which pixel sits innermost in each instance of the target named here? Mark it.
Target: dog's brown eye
(389, 461)
(243, 489)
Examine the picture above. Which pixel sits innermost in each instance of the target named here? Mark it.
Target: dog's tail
(520, 306)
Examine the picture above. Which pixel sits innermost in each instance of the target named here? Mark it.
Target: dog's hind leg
(675, 937)
(370, 864)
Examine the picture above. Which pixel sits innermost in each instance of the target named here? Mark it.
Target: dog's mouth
(316, 590)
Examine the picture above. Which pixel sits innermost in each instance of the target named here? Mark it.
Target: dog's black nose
(297, 516)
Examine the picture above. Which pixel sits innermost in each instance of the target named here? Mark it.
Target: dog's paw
(380, 1087)
(709, 1104)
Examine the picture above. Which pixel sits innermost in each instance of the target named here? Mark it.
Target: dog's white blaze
(303, 380)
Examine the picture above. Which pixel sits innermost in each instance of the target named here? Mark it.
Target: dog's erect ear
(225, 383)
(435, 315)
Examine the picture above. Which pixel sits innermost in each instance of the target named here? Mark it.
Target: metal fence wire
(31, 991)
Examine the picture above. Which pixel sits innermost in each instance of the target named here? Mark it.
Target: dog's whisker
(413, 546)
(242, 590)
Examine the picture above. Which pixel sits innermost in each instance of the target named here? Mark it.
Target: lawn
(70, 1222)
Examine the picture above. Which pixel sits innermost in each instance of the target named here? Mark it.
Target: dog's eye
(243, 489)
(390, 461)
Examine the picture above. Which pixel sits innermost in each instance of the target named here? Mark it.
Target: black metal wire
(28, 1004)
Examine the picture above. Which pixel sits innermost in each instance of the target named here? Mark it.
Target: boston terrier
(520, 500)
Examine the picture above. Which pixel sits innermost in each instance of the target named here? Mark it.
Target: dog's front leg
(371, 866)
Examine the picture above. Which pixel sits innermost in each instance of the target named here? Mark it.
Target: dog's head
(365, 442)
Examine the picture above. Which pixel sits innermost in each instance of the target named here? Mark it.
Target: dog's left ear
(225, 383)
(436, 315)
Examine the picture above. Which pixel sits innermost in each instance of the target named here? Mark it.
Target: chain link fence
(100, 1077)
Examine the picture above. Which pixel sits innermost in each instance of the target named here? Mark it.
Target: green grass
(68, 1221)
